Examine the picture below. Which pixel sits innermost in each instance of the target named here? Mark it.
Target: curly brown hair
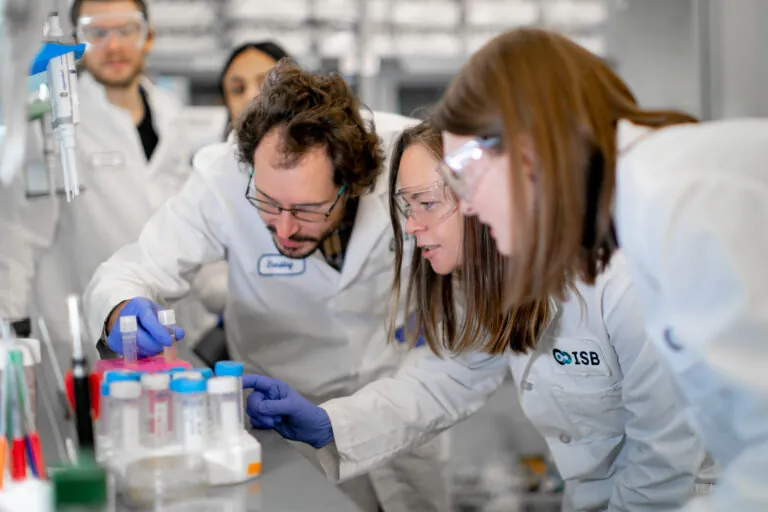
(313, 110)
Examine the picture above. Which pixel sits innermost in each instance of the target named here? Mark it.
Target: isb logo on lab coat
(279, 265)
(578, 357)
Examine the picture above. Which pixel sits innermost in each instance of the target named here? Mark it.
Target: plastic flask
(156, 410)
(167, 317)
(191, 413)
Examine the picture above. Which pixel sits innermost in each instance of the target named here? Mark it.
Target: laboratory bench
(288, 481)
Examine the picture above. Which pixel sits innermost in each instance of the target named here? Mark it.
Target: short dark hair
(77, 5)
(313, 110)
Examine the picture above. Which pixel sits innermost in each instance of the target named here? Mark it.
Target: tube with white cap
(167, 317)
(226, 413)
(129, 333)
(124, 405)
(156, 409)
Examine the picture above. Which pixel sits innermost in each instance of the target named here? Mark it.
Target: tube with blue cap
(190, 413)
(232, 369)
(107, 416)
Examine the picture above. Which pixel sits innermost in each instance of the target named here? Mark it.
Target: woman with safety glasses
(588, 378)
(548, 146)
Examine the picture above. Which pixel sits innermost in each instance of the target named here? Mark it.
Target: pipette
(167, 317)
(81, 385)
(18, 458)
(31, 437)
(4, 406)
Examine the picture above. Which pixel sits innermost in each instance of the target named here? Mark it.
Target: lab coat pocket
(595, 414)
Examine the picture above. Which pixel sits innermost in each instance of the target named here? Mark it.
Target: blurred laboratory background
(704, 56)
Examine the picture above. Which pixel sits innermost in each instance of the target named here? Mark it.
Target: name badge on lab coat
(108, 160)
(278, 265)
(579, 357)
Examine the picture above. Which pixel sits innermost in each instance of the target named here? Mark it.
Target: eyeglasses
(128, 28)
(427, 205)
(271, 208)
(461, 170)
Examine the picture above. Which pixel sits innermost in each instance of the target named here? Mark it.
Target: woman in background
(243, 73)
(587, 376)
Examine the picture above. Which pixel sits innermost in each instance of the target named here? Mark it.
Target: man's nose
(286, 225)
(113, 43)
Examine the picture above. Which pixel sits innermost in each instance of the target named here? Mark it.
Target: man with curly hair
(296, 202)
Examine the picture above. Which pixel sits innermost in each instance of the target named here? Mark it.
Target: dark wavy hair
(313, 110)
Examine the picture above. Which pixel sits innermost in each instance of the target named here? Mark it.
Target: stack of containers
(177, 412)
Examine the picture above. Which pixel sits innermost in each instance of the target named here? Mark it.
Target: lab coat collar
(629, 133)
(371, 221)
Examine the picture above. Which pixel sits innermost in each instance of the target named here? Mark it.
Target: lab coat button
(565, 438)
(527, 386)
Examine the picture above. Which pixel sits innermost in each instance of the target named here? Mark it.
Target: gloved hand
(151, 335)
(400, 332)
(273, 404)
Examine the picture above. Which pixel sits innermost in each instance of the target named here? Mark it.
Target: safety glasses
(271, 208)
(462, 168)
(128, 29)
(427, 205)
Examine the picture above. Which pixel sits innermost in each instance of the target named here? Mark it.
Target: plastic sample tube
(128, 332)
(226, 413)
(232, 369)
(156, 409)
(167, 317)
(207, 373)
(105, 415)
(191, 413)
(124, 405)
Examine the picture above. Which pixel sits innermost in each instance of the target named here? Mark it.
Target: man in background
(132, 157)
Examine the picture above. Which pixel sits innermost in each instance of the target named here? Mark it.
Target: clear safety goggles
(462, 168)
(128, 29)
(427, 205)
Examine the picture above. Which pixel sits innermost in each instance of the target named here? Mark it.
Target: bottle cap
(126, 389)
(207, 373)
(228, 369)
(104, 388)
(128, 324)
(222, 385)
(167, 317)
(120, 375)
(156, 381)
(188, 386)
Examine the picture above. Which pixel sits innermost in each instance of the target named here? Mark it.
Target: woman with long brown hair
(588, 379)
(548, 147)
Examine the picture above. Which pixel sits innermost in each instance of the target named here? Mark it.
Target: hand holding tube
(273, 404)
(152, 336)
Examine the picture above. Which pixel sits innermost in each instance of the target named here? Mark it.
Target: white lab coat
(68, 241)
(612, 416)
(322, 331)
(691, 212)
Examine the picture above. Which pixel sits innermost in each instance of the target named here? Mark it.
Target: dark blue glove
(152, 336)
(400, 332)
(273, 404)
(50, 51)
